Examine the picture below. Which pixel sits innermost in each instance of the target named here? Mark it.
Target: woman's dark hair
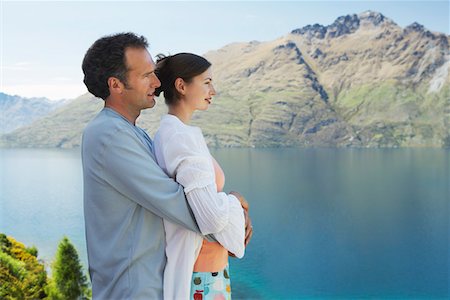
(106, 58)
(182, 65)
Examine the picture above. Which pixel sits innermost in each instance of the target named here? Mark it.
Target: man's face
(141, 80)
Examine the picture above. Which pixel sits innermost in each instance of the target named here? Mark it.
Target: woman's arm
(232, 235)
(216, 213)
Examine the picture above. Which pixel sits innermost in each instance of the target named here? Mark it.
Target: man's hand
(241, 199)
(248, 221)
(248, 228)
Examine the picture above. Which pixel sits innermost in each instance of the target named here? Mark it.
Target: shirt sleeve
(128, 166)
(216, 213)
(232, 234)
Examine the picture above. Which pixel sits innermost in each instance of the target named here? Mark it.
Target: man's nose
(155, 82)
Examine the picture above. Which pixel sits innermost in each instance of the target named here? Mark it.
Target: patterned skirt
(211, 285)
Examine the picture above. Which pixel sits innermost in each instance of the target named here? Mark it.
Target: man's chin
(150, 104)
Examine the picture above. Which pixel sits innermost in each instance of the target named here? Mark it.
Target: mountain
(18, 111)
(61, 128)
(362, 81)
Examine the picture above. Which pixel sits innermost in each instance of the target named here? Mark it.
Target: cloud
(61, 79)
(20, 66)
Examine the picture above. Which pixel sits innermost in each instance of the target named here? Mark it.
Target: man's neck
(122, 111)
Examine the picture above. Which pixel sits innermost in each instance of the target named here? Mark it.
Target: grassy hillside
(362, 81)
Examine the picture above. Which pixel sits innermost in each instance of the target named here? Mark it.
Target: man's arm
(129, 168)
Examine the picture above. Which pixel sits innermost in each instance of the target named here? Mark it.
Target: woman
(196, 268)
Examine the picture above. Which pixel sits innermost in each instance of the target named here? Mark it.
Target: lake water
(346, 223)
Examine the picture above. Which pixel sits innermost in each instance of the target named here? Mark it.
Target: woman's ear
(180, 86)
(115, 85)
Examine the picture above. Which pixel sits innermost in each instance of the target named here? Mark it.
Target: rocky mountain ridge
(18, 111)
(362, 81)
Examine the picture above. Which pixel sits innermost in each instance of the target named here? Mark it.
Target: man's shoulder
(104, 128)
(106, 122)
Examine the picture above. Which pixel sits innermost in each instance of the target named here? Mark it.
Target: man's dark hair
(106, 58)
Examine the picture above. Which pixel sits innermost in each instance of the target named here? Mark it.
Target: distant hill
(59, 129)
(17, 111)
(362, 81)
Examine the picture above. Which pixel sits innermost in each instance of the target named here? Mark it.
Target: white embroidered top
(182, 153)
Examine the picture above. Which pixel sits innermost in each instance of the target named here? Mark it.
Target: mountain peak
(6, 97)
(373, 17)
(316, 30)
(415, 27)
(420, 29)
(19, 111)
(343, 25)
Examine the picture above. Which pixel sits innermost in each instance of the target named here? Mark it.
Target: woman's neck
(181, 112)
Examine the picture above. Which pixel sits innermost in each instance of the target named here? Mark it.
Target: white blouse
(182, 153)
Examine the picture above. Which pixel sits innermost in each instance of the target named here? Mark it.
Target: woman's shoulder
(170, 126)
(174, 133)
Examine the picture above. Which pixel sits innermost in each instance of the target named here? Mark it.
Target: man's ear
(115, 85)
(180, 86)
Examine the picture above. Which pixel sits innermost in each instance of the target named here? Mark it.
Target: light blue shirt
(126, 197)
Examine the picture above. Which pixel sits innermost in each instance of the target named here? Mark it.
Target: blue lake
(328, 223)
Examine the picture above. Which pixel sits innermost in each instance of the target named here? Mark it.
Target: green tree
(22, 275)
(68, 280)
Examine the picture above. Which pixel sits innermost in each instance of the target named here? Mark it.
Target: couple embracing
(158, 225)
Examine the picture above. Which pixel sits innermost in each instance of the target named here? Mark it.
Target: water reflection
(346, 223)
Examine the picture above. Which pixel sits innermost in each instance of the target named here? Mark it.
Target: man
(126, 194)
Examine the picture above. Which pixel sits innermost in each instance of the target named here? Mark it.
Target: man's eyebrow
(208, 78)
(150, 72)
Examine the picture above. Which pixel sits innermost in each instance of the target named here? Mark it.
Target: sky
(42, 43)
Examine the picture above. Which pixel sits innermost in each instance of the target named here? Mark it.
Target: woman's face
(199, 91)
